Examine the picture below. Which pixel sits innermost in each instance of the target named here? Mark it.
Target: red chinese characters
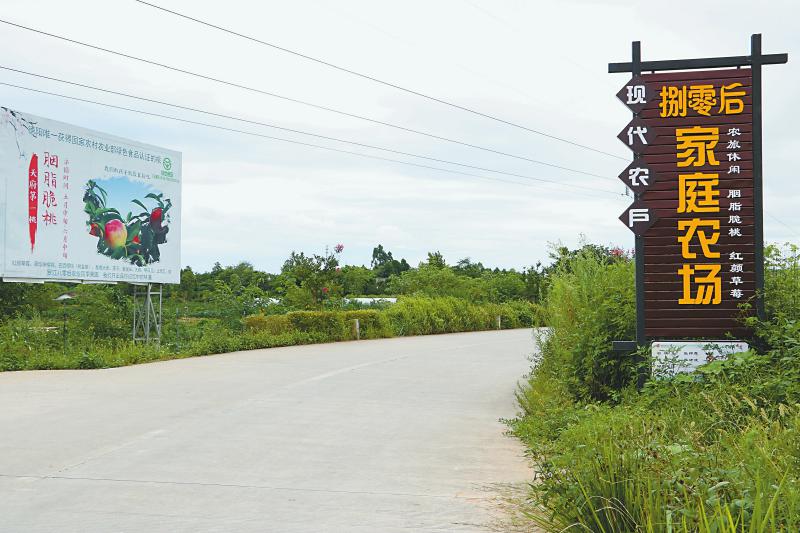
(33, 198)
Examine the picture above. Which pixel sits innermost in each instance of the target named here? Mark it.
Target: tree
(385, 265)
(436, 260)
(466, 267)
(433, 281)
(25, 299)
(188, 286)
(318, 274)
(358, 280)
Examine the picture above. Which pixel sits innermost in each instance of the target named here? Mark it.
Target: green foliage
(439, 281)
(436, 260)
(433, 282)
(22, 299)
(99, 312)
(701, 456)
(426, 316)
(590, 304)
(373, 324)
(519, 314)
(385, 266)
(328, 324)
(358, 280)
(299, 298)
(239, 306)
(717, 451)
(317, 275)
(273, 324)
(782, 280)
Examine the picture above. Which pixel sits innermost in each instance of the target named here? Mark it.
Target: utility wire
(779, 221)
(297, 101)
(301, 143)
(377, 80)
(274, 126)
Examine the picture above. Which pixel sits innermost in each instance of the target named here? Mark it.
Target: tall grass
(718, 451)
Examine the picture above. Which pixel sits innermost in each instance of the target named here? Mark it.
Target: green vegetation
(241, 308)
(715, 451)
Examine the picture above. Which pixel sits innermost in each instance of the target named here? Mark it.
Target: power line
(301, 143)
(781, 222)
(274, 126)
(268, 125)
(377, 80)
(297, 101)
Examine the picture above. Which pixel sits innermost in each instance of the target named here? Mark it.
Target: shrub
(329, 324)
(715, 451)
(373, 324)
(590, 304)
(38, 344)
(520, 314)
(273, 324)
(684, 458)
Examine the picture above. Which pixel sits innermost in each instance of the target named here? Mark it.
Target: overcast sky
(539, 64)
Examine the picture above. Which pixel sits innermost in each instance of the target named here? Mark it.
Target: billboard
(82, 206)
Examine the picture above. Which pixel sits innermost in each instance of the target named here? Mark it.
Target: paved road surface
(371, 436)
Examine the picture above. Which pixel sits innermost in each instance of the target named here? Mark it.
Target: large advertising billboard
(80, 205)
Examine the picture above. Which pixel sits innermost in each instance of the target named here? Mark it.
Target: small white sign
(675, 357)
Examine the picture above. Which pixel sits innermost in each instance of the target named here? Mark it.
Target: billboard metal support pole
(147, 312)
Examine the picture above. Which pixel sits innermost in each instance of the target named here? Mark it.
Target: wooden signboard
(695, 135)
(694, 171)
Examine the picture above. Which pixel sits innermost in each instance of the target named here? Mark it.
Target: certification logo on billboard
(79, 205)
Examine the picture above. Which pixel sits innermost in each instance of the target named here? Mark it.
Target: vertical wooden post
(641, 339)
(758, 198)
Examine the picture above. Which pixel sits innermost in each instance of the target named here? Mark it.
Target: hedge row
(29, 345)
(409, 316)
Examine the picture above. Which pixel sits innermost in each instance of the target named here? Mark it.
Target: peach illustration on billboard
(133, 237)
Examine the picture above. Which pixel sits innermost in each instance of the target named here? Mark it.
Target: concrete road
(371, 436)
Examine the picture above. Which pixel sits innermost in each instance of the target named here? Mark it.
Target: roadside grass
(34, 344)
(713, 452)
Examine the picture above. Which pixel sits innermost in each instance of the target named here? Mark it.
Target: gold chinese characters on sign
(702, 99)
(699, 192)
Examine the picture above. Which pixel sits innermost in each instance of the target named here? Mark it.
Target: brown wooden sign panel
(693, 130)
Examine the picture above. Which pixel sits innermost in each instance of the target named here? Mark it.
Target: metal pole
(160, 310)
(641, 339)
(64, 307)
(147, 305)
(135, 303)
(758, 200)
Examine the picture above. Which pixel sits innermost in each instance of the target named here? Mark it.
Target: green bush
(590, 304)
(330, 325)
(683, 456)
(717, 451)
(37, 343)
(273, 324)
(520, 314)
(372, 324)
(426, 316)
